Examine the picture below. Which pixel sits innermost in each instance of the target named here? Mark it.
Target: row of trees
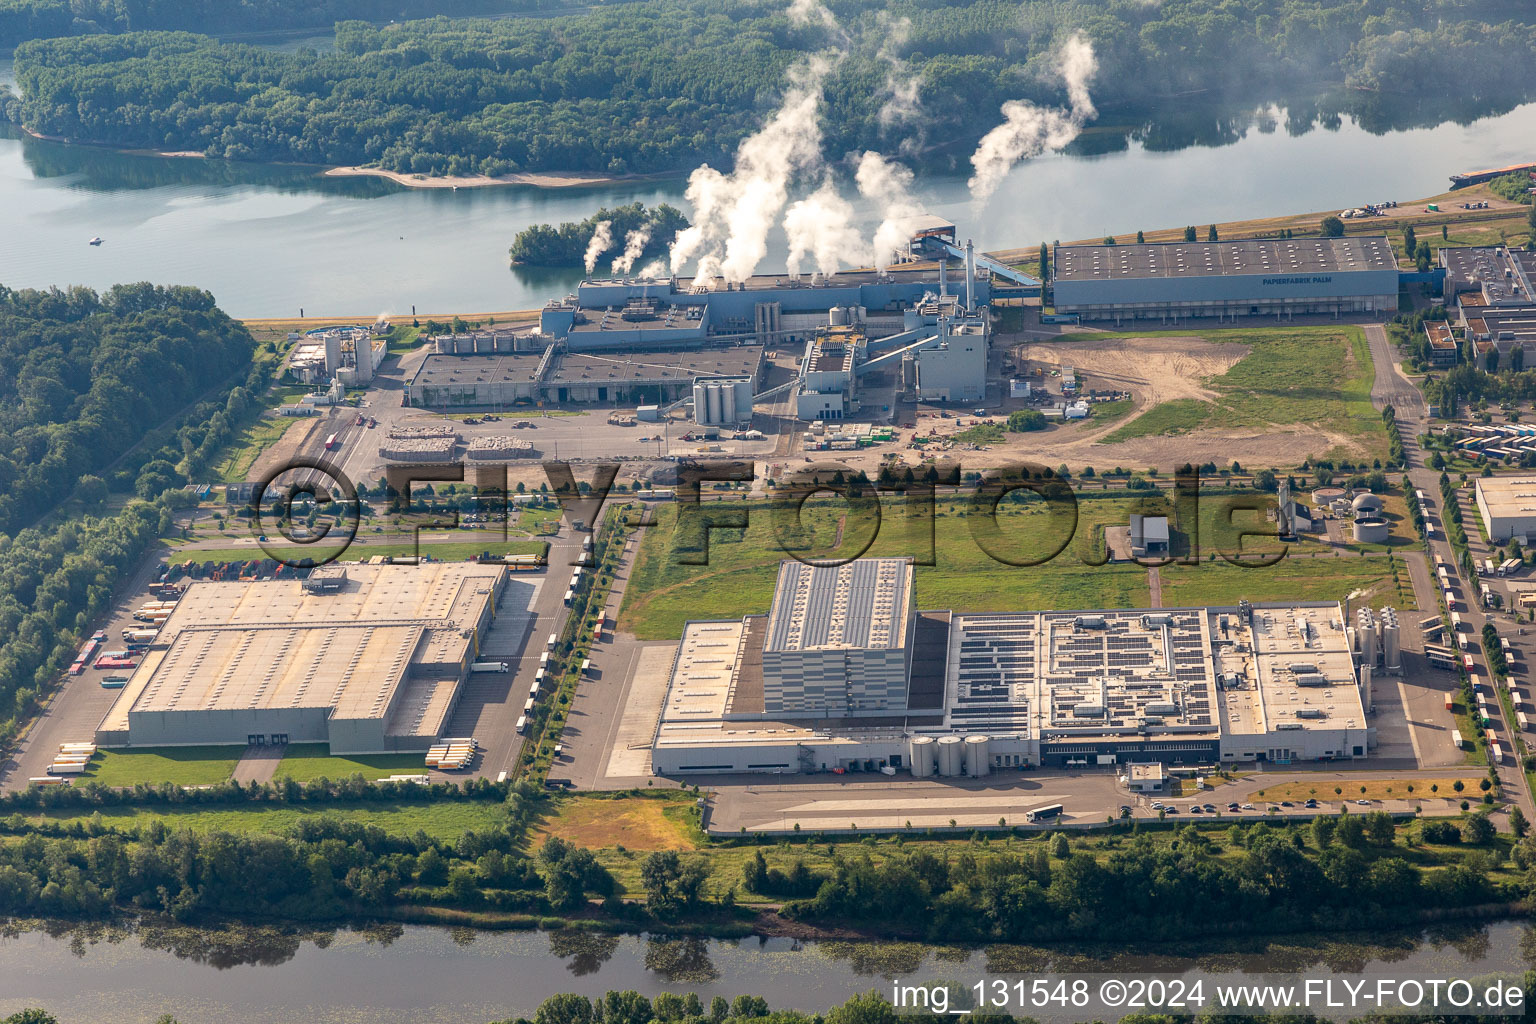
(1267, 880)
(21, 20)
(660, 85)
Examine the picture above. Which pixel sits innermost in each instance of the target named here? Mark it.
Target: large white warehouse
(1272, 683)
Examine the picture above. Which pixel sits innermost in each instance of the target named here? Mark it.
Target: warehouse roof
(860, 604)
(1254, 256)
(233, 646)
(628, 367)
(1507, 497)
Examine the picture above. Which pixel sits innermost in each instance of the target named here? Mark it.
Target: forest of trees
(89, 406)
(659, 85)
(89, 375)
(544, 245)
(21, 20)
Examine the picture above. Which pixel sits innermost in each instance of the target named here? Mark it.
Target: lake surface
(268, 241)
(463, 977)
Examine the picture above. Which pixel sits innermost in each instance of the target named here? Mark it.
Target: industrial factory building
(844, 673)
(367, 658)
(1247, 277)
(558, 375)
(350, 355)
(1508, 506)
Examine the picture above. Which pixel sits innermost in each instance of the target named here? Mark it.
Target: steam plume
(1028, 130)
(889, 184)
(821, 226)
(734, 212)
(901, 86)
(602, 240)
(634, 244)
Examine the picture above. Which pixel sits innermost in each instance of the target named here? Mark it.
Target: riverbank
(540, 179)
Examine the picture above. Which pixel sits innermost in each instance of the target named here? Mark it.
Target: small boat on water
(97, 240)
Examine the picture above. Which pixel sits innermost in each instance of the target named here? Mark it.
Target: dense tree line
(659, 85)
(545, 245)
(90, 375)
(1268, 880)
(21, 20)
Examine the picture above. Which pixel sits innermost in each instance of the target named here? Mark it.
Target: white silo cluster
(1365, 636)
(1378, 641)
(846, 316)
(950, 756)
(1391, 641)
(722, 401)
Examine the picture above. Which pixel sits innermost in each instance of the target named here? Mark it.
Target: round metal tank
(1370, 530)
(837, 316)
(950, 755)
(920, 749)
(727, 403)
(1366, 503)
(1327, 495)
(712, 400)
(978, 756)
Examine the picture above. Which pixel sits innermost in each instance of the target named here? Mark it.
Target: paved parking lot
(78, 707)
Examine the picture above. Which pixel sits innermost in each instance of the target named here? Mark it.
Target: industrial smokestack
(970, 277)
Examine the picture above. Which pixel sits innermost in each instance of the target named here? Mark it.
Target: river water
(465, 977)
(269, 241)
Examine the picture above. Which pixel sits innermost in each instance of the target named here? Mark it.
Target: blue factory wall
(725, 312)
(1226, 288)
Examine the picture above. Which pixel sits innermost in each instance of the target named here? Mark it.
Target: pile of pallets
(452, 755)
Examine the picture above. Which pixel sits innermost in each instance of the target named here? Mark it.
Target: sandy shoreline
(547, 179)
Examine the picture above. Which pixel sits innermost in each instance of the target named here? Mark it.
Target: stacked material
(417, 449)
(500, 446)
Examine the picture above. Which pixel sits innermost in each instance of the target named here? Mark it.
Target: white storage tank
(837, 316)
(712, 397)
(727, 402)
(1371, 530)
(978, 756)
(950, 755)
(921, 752)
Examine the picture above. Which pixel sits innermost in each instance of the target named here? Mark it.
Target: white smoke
(1028, 130)
(890, 185)
(602, 240)
(901, 86)
(814, 12)
(634, 245)
(733, 213)
(821, 226)
(655, 268)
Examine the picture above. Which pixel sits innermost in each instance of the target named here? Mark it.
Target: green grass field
(304, 762)
(184, 766)
(455, 551)
(439, 819)
(1316, 376)
(665, 591)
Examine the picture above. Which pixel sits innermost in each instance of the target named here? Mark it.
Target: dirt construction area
(1156, 370)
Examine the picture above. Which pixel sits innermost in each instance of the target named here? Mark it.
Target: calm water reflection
(391, 973)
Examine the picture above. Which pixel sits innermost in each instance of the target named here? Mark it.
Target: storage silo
(1371, 530)
(700, 401)
(950, 755)
(712, 395)
(978, 756)
(727, 402)
(837, 316)
(1391, 641)
(1365, 633)
(1367, 678)
(921, 751)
